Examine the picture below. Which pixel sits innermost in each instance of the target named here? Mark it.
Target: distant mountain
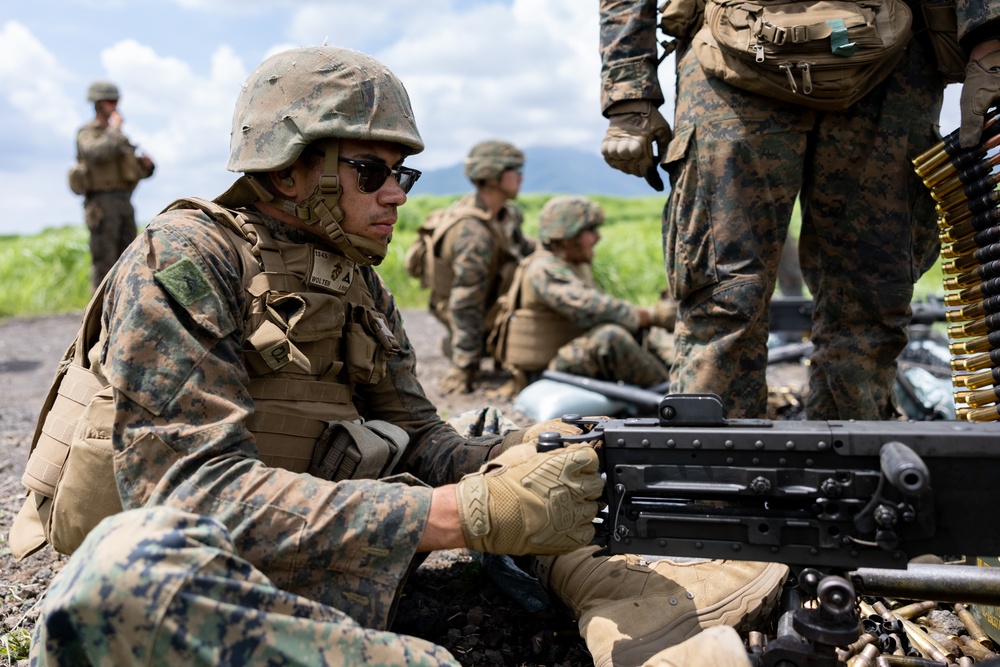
(550, 170)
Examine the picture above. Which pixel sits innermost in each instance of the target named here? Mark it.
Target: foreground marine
(259, 382)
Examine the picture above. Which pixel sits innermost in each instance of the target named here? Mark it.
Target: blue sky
(523, 70)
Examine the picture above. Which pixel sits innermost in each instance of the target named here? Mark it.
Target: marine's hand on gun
(530, 502)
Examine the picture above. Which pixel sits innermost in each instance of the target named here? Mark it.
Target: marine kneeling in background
(555, 316)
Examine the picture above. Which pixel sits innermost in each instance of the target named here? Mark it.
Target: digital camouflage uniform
(608, 350)
(107, 209)
(737, 161)
(482, 271)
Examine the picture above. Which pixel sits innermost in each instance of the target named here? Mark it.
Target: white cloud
(34, 82)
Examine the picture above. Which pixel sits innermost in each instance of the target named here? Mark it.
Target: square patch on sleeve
(184, 281)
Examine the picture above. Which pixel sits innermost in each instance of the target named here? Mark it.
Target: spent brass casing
(866, 658)
(925, 643)
(976, 632)
(973, 648)
(907, 661)
(988, 414)
(914, 609)
(984, 378)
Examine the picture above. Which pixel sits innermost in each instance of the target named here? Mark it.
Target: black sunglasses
(372, 175)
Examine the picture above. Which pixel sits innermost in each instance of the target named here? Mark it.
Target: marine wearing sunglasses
(372, 175)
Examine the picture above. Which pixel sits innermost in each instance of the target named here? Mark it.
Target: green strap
(839, 46)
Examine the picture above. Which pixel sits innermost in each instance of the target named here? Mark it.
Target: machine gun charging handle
(903, 468)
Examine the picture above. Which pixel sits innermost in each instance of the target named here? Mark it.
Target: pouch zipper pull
(787, 66)
(759, 51)
(807, 82)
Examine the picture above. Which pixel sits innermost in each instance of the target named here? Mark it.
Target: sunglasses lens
(406, 178)
(371, 176)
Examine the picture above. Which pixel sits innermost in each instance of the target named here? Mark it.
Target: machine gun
(846, 504)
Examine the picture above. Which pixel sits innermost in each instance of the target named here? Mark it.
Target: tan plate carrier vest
(528, 333)
(312, 335)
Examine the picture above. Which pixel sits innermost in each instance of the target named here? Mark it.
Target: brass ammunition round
(930, 159)
(982, 397)
(978, 379)
(961, 281)
(977, 362)
(990, 414)
(976, 328)
(962, 414)
(945, 189)
(959, 265)
(962, 397)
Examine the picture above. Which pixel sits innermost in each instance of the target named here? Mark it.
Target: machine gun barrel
(922, 581)
(644, 399)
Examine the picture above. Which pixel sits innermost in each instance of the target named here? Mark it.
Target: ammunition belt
(964, 184)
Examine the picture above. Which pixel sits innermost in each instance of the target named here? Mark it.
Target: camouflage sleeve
(173, 315)
(473, 258)
(96, 144)
(523, 243)
(628, 52)
(563, 291)
(978, 20)
(436, 454)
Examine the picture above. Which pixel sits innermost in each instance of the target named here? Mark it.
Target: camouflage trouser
(158, 586)
(611, 352)
(111, 221)
(737, 162)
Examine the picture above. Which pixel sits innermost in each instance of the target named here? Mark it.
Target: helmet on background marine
(102, 90)
(318, 94)
(566, 216)
(489, 159)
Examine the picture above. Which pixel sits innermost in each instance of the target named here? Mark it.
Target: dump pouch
(79, 178)
(824, 54)
(352, 450)
(680, 18)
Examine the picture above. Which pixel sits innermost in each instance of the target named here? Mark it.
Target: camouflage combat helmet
(565, 217)
(318, 93)
(489, 159)
(102, 90)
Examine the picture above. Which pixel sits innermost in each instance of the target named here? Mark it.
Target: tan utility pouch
(941, 20)
(70, 474)
(679, 18)
(349, 450)
(824, 54)
(79, 178)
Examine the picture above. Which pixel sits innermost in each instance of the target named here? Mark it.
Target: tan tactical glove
(663, 314)
(980, 91)
(458, 381)
(526, 502)
(636, 125)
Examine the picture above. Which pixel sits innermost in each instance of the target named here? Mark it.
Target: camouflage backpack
(422, 255)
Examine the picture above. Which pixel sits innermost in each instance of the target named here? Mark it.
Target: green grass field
(48, 273)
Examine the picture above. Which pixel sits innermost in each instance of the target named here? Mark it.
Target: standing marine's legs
(735, 165)
(868, 234)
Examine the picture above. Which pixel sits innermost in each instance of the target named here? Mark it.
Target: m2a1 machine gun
(846, 504)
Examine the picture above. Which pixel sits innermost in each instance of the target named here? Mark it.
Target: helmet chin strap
(323, 207)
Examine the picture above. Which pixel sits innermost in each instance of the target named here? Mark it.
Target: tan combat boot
(719, 646)
(628, 609)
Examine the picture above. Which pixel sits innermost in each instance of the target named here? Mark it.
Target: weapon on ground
(838, 501)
